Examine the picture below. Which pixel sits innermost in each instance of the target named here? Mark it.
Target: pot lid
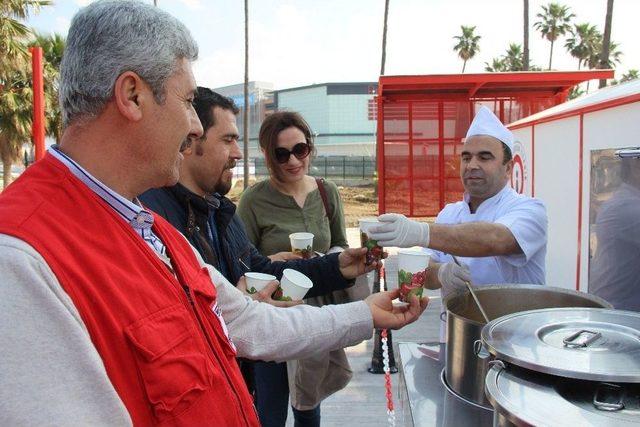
(585, 343)
(530, 398)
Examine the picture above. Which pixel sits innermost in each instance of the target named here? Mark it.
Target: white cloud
(83, 3)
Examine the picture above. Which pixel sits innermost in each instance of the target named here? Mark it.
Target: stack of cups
(374, 251)
(302, 244)
(412, 272)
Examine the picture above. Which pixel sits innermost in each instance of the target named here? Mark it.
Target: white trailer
(565, 156)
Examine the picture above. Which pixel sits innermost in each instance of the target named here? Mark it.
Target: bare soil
(357, 202)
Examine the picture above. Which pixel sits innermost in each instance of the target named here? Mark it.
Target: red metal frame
(580, 159)
(526, 92)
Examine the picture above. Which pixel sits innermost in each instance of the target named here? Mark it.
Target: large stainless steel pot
(565, 367)
(467, 362)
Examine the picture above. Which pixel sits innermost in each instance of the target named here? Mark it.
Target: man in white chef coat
(498, 235)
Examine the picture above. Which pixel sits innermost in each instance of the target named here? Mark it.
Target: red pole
(38, 101)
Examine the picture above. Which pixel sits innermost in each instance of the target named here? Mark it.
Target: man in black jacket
(196, 206)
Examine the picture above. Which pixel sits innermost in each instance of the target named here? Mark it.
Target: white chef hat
(486, 123)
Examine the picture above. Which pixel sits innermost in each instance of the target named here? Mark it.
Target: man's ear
(129, 92)
(509, 166)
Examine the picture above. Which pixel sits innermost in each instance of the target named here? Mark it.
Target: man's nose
(236, 153)
(473, 163)
(196, 127)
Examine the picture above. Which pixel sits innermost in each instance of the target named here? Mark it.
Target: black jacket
(189, 212)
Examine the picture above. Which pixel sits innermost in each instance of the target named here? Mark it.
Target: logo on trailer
(519, 175)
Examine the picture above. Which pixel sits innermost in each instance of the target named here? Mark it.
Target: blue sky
(301, 42)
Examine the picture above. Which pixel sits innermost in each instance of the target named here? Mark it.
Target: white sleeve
(262, 331)
(52, 375)
(527, 221)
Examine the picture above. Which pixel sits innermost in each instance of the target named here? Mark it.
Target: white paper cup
(294, 284)
(411, 263)
(257, 281)
(391, 272)
(302, 244)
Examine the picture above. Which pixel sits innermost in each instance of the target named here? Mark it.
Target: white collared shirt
(525, 217)
(140, 220)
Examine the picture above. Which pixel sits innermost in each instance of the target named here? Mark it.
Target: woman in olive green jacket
(292, 201)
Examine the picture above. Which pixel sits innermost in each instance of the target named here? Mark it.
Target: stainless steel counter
(424, 398)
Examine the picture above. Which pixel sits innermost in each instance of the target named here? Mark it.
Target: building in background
(341, 115)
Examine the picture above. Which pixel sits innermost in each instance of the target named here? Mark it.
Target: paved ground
(363, 401)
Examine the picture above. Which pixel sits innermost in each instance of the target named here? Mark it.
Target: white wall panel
(557, 149)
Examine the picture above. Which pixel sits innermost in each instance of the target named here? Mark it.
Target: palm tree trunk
(604, 58)
(525, 53)
(464, 64)
(245, 121)
(550, 54)
(384, 37)
(6, 172)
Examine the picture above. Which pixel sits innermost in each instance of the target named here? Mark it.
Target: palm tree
(468, 44)
(630, 75)
(16, 96)
(513, 57)
(384, 37)
(525, 55)
(575, 92)
(583, 41)
(595, 56)
(554, 22)
(497, 66)
(606, 45)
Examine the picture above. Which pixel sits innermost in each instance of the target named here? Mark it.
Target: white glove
(453, 278)
(398, 230)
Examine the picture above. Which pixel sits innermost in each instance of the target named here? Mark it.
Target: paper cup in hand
(294, 285)
(302, 244)
(412, 272)
(257, 281)
(374, 251)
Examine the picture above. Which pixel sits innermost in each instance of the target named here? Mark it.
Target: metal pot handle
(443, 315)
(568, 341)
(479, 350)
(497, 363)
(608, 406)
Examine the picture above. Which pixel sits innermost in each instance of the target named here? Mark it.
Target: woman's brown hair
(271, 127)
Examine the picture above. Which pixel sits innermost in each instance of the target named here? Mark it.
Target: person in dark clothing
(198, 208)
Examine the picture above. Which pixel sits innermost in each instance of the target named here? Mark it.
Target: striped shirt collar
(131, 212)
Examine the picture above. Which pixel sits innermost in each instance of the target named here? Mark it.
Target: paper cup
(257, 281)
(391, 272)
(374, 251)
(302, 244)
(412, 272)
(294, 285)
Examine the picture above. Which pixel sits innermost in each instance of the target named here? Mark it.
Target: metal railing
(332, 167)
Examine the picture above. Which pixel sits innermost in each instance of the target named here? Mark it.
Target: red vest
(163, 347)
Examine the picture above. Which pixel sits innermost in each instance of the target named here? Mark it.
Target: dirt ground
(358, 202)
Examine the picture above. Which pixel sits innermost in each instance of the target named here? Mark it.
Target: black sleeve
(323, 271)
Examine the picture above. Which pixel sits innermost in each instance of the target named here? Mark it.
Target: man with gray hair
(109, 316)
